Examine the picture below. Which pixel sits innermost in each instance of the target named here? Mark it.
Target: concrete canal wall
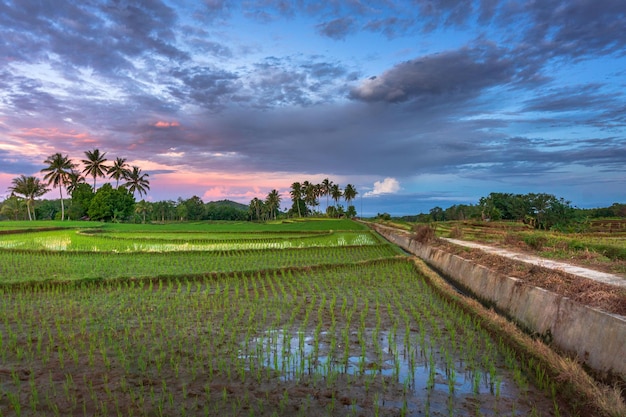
(596, 338)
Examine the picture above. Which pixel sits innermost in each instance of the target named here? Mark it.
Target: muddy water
(399, 376)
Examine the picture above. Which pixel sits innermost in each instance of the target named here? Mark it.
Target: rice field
(336, 323)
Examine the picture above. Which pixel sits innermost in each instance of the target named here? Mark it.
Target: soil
(586, 291)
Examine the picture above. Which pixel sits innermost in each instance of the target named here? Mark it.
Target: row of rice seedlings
(18, 266)
(188, 347)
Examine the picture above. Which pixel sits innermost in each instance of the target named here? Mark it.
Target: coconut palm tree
(136, 181)
(118, 170)
(30, 188)
(94, 165)
(273, 202)
(296, 195)
(311, 193)
(255, 208)
(335, 193)
(349, 193)
(73, 179)
(58, 171)
(326, 189)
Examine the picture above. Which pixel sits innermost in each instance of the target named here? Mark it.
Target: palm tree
(326, 187)
(349, 193)
(118, 170)
(136, 181)
(30, 188)
(255, 208)
(273, 202)
(73, 179)
(335, 193)
(311, 193)
(296, 195)
(94, 165)
(58, 171)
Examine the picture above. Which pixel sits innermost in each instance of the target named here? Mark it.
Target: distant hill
(225, 210)
(227, 203)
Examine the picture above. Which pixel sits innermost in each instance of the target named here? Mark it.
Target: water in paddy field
(420, 380)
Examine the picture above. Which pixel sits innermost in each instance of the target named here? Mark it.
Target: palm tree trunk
(62, 205)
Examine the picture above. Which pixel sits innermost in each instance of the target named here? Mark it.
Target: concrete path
(611, 279)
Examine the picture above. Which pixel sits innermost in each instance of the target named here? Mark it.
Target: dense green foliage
(111, 204)
(542, 211)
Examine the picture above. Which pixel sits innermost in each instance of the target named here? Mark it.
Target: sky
(417, 103)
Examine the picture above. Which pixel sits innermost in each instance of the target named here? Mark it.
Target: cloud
(574, 98)
(386, 186)
(337, 28)
(459, 73)
(164, 125)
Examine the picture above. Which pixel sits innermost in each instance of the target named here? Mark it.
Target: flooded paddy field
(366, 336)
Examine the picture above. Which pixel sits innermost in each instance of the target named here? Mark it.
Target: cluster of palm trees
(310, 193)
(61, 172)
(265, 209)
(305, 197)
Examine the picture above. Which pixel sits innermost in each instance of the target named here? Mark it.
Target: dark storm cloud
(453, 74)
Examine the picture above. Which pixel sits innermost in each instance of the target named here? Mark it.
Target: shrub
(456, 233)
(535, 242)
(423, 233)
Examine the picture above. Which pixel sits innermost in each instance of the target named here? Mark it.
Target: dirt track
(603, 277)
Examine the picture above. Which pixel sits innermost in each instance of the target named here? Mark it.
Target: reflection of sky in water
(294, 356)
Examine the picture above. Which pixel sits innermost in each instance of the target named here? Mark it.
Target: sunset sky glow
(417, 103)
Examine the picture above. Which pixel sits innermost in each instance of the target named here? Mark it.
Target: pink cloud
(164, 125)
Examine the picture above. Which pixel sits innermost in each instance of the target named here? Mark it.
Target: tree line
(104, 203)
(117, 203)
(540, 210)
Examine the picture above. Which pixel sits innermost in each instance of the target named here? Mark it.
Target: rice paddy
(338, 322)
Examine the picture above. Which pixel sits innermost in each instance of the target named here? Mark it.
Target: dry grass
(585, 291)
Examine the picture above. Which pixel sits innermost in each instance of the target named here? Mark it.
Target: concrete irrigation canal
(595, 337)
